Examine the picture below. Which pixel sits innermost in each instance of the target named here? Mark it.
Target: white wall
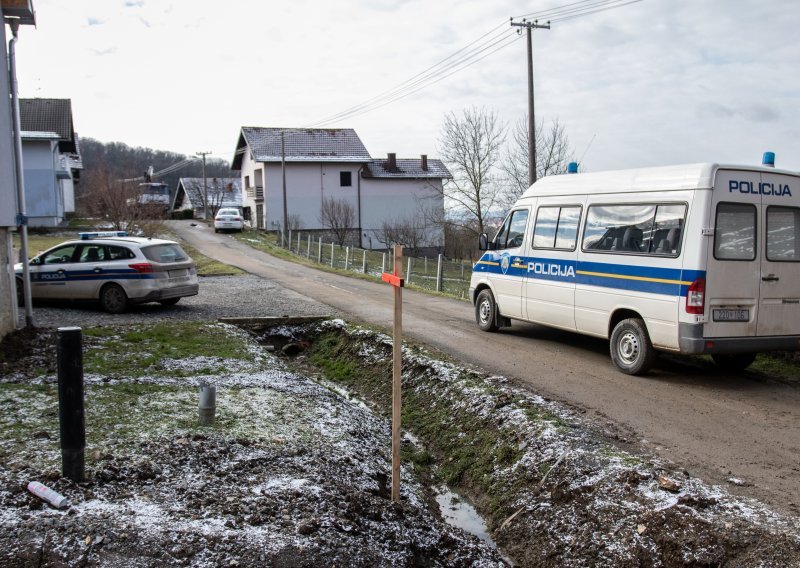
(399, 200)
(44, 200)
(8, 198)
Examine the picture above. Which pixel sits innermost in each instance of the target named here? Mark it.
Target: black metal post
(70, 402)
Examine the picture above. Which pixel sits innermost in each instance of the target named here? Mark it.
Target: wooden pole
(397, 370)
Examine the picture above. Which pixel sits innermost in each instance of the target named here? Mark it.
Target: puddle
(458, 512)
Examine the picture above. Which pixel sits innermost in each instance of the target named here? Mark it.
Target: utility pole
(205, 186)
(529, 26)
(284, 227)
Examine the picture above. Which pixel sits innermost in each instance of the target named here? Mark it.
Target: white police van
(700, 258)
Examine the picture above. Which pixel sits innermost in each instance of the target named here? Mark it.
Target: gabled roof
(300, 145)
(190, 192)
(48, 116)
(406, 168)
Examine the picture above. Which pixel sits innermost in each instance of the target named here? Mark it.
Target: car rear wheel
(169, 301)
(113, 299)
(486, 311)
(733, 361)
(631, 350)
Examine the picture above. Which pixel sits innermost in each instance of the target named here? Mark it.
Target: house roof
(300, 145)
(190, 192)
(48, 116)
(406, 168)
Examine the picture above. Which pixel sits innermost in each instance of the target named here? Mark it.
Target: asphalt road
(717, 426)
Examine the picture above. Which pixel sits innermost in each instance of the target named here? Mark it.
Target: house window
(247, 182)
(345, 179)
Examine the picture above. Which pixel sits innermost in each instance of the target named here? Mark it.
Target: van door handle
(770, 278)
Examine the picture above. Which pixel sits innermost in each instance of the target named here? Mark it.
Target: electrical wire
(469, 55)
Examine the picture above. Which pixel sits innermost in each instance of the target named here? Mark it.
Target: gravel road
(220, 296)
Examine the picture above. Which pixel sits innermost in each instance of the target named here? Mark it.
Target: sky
(649, 83)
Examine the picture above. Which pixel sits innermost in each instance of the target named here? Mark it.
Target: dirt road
(717, 426)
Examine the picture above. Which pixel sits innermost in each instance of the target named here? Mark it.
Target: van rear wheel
(631, 350)
(733, 361)
(486, 311)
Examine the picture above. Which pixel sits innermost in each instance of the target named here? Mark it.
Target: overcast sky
(652, 83)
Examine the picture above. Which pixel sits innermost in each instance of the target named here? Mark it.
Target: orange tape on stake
(393, 279)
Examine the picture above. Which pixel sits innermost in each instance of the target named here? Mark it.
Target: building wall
(44, 199)
(307, 185)
(395, 201)
(8, 304)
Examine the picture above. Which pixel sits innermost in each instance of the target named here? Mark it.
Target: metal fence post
(383, 263)
(364, 261)
(425, 266)
(298, 243)
(408, 272)
(332, 254)
(69, 353)
(289, 242)
(439, 272)
(308, 249)
(346, 258)
(319, 251)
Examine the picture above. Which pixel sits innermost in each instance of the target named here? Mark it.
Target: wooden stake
(396, 280)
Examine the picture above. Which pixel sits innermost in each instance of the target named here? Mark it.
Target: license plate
(731, 315)
(177, 273)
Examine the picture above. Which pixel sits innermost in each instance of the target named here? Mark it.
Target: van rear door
(733, 276)
(779, 298)
(751, 283)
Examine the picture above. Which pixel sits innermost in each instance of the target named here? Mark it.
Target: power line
(468, 55)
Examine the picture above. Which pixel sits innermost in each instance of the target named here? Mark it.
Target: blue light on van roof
(572, 168)
(769, 159)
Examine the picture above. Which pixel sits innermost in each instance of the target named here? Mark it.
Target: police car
(114, 269)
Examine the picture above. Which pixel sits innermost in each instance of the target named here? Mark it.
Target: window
(119, 253)
(59, 255)
(164, 253)
(93, 253)
(512, 232)
(642, 228)
(783, 234)
(345, 179)
(556, 227)
(735, 234)
(247, 182)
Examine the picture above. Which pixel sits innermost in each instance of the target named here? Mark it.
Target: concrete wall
(8, 297)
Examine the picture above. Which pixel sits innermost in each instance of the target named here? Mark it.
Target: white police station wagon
(114, 269)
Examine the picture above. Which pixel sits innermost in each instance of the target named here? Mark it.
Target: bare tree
(553, 153)
(114, 201)
(338, 216)
(470, 146)
(409, 232)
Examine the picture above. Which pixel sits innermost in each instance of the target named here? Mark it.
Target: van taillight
(696, 297)
(142, 267)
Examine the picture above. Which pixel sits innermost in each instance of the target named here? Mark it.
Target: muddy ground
(296, 471)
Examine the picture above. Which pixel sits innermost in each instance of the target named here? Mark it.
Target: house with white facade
(221, 192)
(332, 164)
(51, 160)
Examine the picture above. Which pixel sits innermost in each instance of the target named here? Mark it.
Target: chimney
(391, 162)
(424, 162)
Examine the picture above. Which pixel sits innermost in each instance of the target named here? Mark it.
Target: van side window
(512, 232)
(783, 234)
(665, 238)
(735, 234)
(556, 227)
(652, 229)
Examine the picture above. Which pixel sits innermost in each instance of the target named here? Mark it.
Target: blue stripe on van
(639, 278)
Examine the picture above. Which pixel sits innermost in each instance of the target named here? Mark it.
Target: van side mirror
(484, 243)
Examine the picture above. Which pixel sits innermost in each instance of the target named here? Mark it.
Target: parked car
(228, 218)
(114, 269)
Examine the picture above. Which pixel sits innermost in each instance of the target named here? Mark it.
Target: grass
(139, 350)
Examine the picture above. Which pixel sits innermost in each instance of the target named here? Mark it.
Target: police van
(699, 258)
